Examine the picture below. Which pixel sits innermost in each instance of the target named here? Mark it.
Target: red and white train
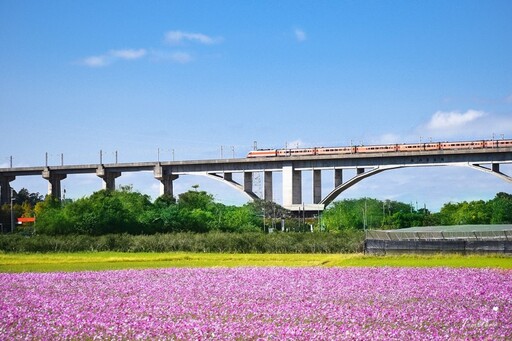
(386, 148)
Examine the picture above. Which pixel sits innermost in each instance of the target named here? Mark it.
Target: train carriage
(296, 152)
(462, 145)
(377, 149)
(504, 143)
(335, 150)
(412, 147)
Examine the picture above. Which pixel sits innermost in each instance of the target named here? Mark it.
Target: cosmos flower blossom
(258, 304)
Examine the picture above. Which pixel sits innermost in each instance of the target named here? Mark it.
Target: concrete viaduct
(365, 165)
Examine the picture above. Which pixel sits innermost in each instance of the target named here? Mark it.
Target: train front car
(262, 153)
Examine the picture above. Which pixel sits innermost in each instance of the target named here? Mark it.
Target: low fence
(384, 242)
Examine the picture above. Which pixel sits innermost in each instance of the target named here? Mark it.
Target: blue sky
(78, 77)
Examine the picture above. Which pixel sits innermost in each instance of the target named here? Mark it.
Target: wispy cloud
(171, 38)
(179, 37)
(300, 35)
(95, 61)
(128, 54)
(452, 125)
(113, 56)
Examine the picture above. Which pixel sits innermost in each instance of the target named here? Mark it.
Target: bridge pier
(54, 186)
(248, 182)
(165, 176)
(292, 186)
(5, 188)
(317, 186)
(338, 177)
(109, 178)
(267, 186)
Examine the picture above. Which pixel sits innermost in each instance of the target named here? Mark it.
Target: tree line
(128, 211)
(376, 214)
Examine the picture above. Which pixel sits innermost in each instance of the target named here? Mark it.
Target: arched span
(338, 190)
(331, 196)
(493, 172)
(252, 196)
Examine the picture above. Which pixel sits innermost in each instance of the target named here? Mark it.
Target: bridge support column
(54, 186)
(317, 186)
(165, 176)
(109, 178)
(267, 187)
(248, 182)
(338, 177)
(228, 176)
(359, 171)
(496, 167)
(292, 186)
(5, 188)
(166, 186)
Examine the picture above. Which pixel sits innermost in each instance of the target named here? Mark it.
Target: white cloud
(453, 119)
(300, 35)
(472, 124)
(178, 37)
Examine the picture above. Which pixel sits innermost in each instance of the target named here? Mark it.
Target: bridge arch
(494, 170)
(344, 186)
(229, 180)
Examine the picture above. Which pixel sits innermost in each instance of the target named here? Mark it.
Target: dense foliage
(376, 214)
(126, 211)
(130, 212)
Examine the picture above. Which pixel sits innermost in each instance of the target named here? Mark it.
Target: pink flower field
(258, 304)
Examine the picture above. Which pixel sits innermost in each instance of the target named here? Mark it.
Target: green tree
(24, 196)
(191, 200)
(501, 208)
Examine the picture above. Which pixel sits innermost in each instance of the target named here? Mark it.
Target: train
(385, 148)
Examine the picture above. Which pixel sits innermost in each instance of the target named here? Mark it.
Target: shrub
(219, 242)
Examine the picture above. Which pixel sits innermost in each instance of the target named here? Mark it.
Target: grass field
(117, 260)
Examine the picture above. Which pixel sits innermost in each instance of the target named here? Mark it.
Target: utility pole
(12, 211)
